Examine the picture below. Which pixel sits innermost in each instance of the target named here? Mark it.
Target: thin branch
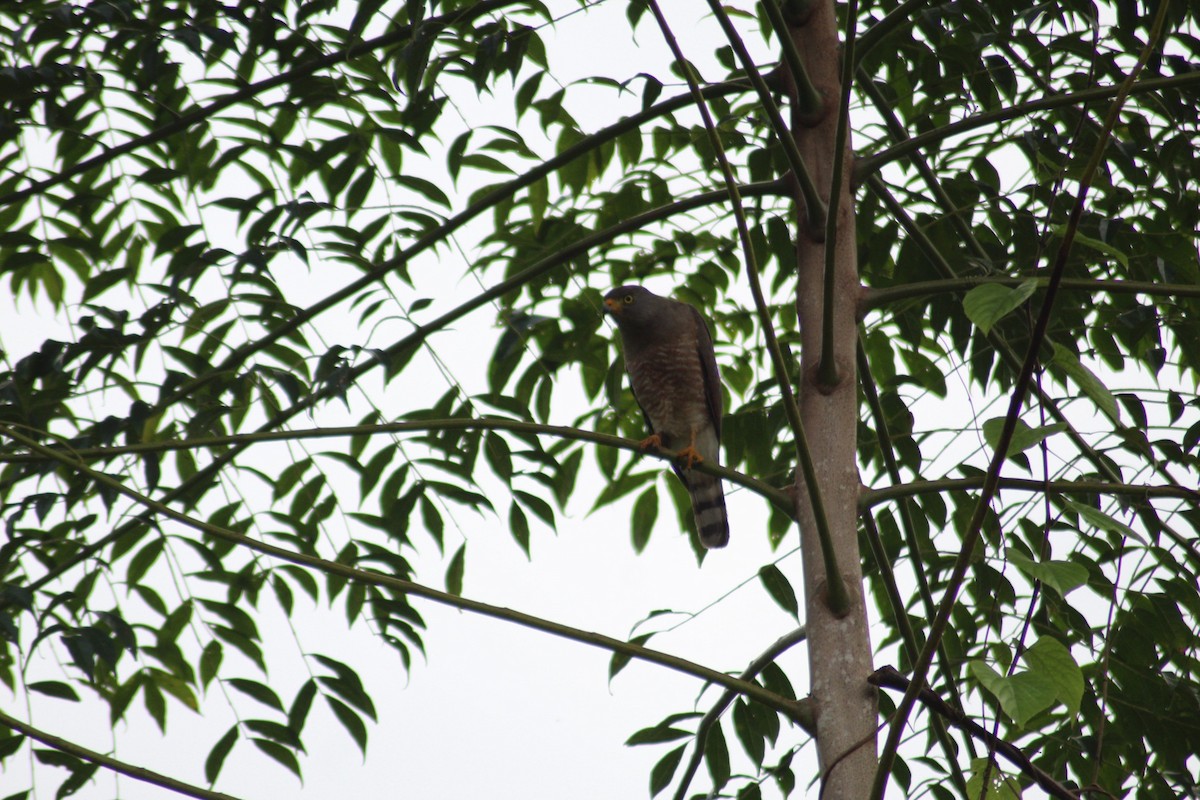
(873, 497)
(808, 99)
(827, 372)
(120, 767)
(889, 678)
(791, 708)
(777, 496)
(1021, 387)
(304, 70)
(883, 296)
(781, 646)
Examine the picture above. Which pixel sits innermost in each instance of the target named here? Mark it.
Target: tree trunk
(839, 648)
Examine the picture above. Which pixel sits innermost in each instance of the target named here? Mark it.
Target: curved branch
(873, 298)
(120, 767)
(873, 497)
(781, 646)
(791, 708)
(777, 496)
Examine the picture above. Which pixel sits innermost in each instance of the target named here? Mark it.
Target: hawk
(673, 373)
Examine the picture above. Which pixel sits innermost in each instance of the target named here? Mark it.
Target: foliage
(195, 197)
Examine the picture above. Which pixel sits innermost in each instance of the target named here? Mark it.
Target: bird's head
(633, 306)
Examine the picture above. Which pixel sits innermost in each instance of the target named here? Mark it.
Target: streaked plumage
(673, 372)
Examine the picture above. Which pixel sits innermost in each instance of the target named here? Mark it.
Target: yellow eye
(628, 299)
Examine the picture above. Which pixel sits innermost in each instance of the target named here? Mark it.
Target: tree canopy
(249, 248)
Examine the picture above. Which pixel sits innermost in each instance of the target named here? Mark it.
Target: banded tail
(708, 504)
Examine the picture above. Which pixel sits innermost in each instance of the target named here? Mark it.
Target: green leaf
(454, 573)
(1050, 659)
(780, 589)
(1022, 696)
(1062, 576)
(1065, 363)
(620, 660)
(1024, 436)
(216, 756)
(716, 756)
(279, 753)
(1095, 244)
(210, 662)
(1103, 521)
(1000, 786)
(261, 693)
(351, 722)
(645, 512)
(988, 304)
(664, 770)
(57, 689)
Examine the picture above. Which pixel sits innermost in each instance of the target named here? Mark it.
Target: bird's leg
(690, 455)
(651, 442)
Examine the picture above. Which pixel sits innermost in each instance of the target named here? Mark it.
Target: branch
(889, 678)
(873, 497)
(777, 496)
(874, 298)
(233, 98)
(119, 767)
(827, 371)
(1021, 387)
(781, 646)
(791, 708)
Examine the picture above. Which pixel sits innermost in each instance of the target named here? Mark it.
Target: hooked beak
(611, 306)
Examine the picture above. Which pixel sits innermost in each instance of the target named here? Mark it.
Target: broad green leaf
(1022, 696)
(1096, 244)
(263, 694)
(351, 722)
(1062, 576)
(716, 756)
(279, 753)
(1052, 661)
(988, 304)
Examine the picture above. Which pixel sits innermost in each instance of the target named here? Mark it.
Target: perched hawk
(673, 373)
